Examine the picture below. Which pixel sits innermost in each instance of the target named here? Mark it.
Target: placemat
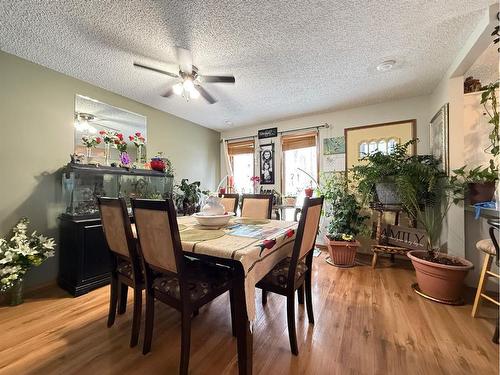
(248, 221)
(194, 235)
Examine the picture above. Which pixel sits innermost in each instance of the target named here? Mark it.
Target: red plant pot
(309, 192)
(342, 253)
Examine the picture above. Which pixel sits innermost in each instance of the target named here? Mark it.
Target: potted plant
(377, 178)
(475, 185)
(187, 196)
(440, 277)
(343, 210)
(18, 255)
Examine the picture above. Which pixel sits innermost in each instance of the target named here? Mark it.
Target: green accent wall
(36, 139)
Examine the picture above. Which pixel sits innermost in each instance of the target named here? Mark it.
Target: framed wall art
(439, 138)
(267, 164)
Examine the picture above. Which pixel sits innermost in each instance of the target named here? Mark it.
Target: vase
(16, 293)
(107, 150)
(88, 154)
(138, 156)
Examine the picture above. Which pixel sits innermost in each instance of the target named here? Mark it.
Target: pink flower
(98, 140)
(142, 139)
(131, 137)
(120, 136)
(138, 134)
(102, 132)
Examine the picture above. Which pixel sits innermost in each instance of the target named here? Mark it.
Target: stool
(490, 249)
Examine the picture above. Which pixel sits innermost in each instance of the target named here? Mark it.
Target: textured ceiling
(289, 57)
(487, 67)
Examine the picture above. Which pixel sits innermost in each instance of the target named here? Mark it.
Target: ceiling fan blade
(168, 93)
(173, 75)
(185, 60)
(213, 79)
(209, 98)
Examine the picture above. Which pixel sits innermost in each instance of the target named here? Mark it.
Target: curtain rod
(323, 126)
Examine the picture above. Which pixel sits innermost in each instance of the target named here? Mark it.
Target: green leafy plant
(381, 167)
(342, 208)
(187, 195)
(490, 103)
(462, 178)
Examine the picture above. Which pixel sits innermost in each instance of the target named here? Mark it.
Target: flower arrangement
(255, 180)
(137, 139)
(21, 252)
(91, 141)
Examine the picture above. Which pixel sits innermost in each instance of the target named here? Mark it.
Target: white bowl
(213, 220)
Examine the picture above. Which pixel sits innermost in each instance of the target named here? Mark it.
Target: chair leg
(122, 305)
(481, 284)
(309, 305)
(233, 316)
(264, 297)
(136, 320)
(300, 294)
(374, 260)
(290, 314)
(185, 342)
(113, 300)
(148, 328)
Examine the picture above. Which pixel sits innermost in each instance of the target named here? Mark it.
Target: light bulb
(177, 88)
(188, 85)
(195, 94)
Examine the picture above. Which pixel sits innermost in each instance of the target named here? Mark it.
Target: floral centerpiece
(18, 255)
(139, 141)
(255, 180)
(90, 142)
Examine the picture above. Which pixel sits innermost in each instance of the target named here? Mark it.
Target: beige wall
(404, 109)
(36, 133)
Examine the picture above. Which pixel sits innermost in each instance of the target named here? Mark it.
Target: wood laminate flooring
(367, 322)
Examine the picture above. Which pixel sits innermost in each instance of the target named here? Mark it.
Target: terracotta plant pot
(440, 281)
(481, 192)
(342, 253)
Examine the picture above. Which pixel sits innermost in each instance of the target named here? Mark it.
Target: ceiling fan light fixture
(178, 89)
(195, 94)
(188, 85)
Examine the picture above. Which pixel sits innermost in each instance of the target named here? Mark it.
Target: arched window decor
(382, 146)
(391, 145)
(363, 150)
(372, 147)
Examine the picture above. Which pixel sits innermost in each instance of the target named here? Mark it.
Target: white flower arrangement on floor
(21, 252)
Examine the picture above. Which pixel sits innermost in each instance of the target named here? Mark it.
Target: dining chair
(256, 206)
(230, 202)
(126, 269)
(170, 277)
(294, 273)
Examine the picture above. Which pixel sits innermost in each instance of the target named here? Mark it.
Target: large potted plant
(377, 178)
(187, 196)
(346, 222)
(440, 276)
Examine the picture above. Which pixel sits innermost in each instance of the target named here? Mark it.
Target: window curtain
(229, 167)
(301, 140)
(241, 147)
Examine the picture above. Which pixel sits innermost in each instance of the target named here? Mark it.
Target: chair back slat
(306, 235)
(157, 234)
(256, 206)
(230, 202)
(114, 225)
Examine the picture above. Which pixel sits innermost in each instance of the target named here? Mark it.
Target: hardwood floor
(367, 322)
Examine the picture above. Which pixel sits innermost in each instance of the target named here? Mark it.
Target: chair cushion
(486, 246)
(202, 278)
(279, 274)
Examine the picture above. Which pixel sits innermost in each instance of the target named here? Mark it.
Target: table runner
(258, 256)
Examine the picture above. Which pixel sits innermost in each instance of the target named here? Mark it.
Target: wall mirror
(93, 116)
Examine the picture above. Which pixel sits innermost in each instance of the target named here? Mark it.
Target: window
(299, 151)
(363, 150)
(372, 147)
(391, 144)
(241, 155)
(382, 146)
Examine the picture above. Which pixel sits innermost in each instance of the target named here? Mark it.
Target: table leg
(244, 334)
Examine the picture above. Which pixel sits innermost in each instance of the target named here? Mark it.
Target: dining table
(251, 248)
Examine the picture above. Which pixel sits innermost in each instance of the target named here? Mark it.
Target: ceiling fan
(189, 85)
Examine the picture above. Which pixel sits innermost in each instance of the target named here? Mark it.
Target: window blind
(242, 147)
(295, 141)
